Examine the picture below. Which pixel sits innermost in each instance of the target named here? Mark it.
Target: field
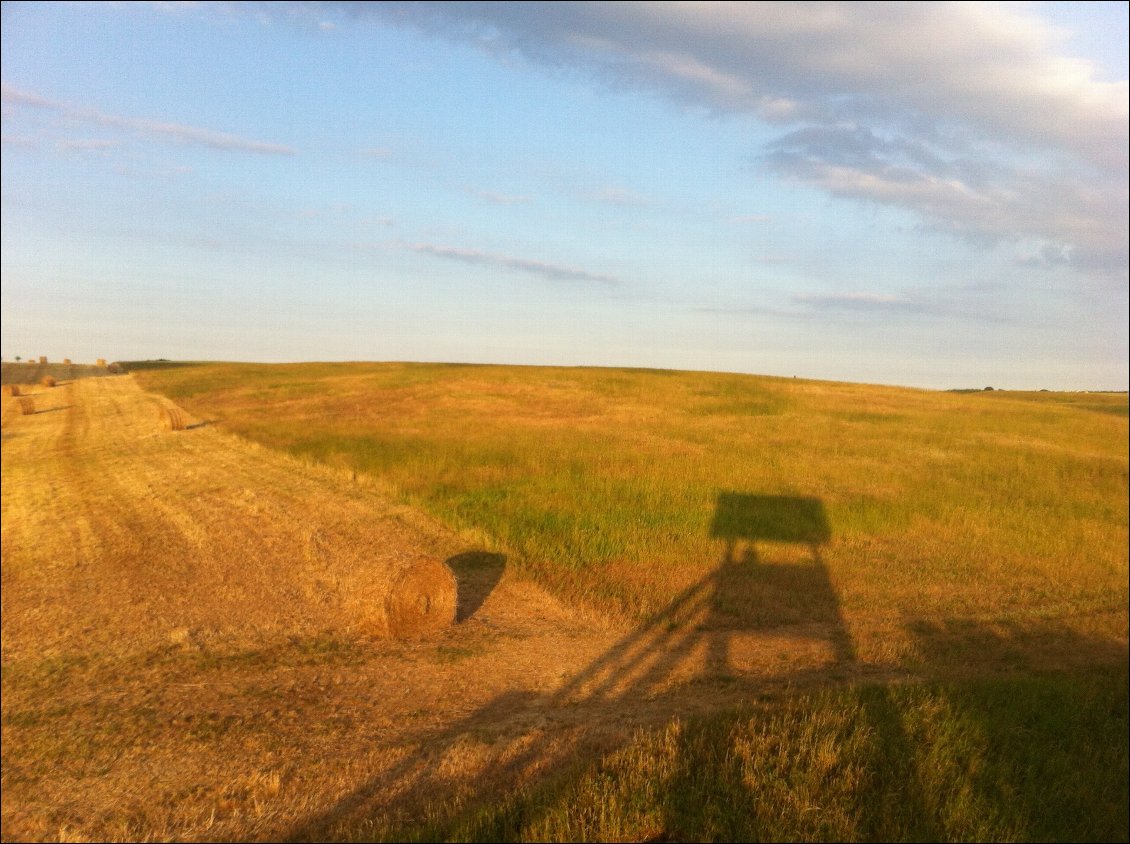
(693, 606)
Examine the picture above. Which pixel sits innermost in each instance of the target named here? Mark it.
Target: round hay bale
(170, 419)
(27, 405)
(47, 381)
(11, 389)
(421, 600)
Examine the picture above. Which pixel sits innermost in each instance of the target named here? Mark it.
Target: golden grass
(604, 484)
(421, 600)
(180, 626)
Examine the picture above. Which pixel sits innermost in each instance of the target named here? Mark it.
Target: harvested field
(16, 374)
(199, 612)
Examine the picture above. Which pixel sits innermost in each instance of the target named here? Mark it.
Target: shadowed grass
(1036, 759)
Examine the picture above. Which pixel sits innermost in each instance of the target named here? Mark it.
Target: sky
(927, 194)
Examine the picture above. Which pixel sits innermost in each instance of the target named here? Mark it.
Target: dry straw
(170, 419)
(47, 381)
(11, 389)
(27, 405)
(421, 600)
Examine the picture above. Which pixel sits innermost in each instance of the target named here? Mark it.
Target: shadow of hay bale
(476, 575)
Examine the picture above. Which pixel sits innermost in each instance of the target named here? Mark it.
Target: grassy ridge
(604, 483)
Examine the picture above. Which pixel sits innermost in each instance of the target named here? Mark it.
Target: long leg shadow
(693, 639)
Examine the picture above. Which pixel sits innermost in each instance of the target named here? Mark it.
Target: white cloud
(176, 132)
(965, 113)
(552, 272)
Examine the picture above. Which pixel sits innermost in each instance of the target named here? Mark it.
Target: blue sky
(930, 195)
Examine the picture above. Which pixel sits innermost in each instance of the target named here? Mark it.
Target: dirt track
(190, 647)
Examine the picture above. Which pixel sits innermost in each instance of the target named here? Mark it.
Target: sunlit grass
(602, 483)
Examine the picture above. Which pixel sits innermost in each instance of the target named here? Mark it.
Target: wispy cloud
(88, 145)
(940, 303)
(617, 195)
(860, 302)
(377, 153)
(1070, 213)
(552, 272)
(175, 132)
(499, 198)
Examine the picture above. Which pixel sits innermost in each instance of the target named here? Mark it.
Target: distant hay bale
(47, 381)
(421, 600)
(27, 405)
(11, 389)
(67, 361)
(43, 358)
(171, 419)
(102, 362)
